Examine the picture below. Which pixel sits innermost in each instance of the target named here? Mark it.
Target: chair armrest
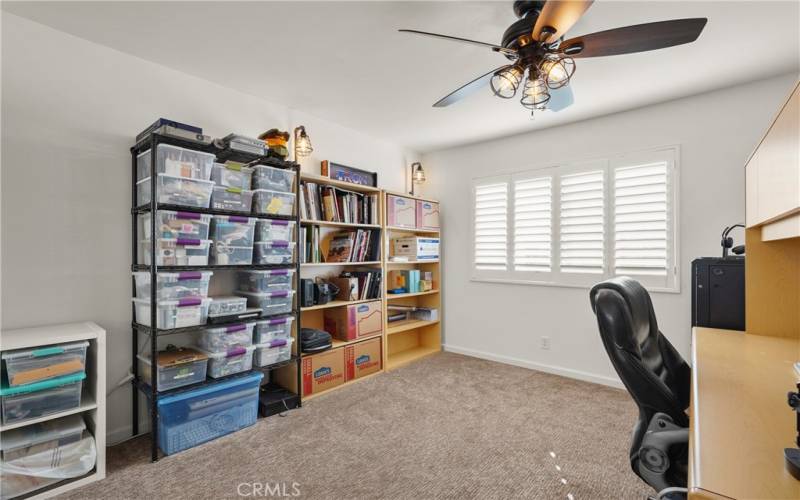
(655, 451)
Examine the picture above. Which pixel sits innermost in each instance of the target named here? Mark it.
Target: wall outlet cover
(545, 343)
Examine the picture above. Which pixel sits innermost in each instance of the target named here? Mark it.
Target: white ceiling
(345, 61)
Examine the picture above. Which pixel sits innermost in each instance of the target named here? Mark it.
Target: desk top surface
(740, 422)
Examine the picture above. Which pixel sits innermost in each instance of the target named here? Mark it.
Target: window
(577, 224)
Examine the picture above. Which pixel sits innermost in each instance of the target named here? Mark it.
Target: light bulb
(505, 82)
(557, 71)
(302, 144)
(419, 174)
(535, 94)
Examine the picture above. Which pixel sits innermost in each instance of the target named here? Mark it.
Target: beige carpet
(449, 426)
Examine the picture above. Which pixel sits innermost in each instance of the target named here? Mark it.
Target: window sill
(675, 290)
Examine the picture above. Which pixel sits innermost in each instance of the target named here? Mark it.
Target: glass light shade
(557, 71)
(419, 175)
(302, 144)
(535, 94)
(505, 82)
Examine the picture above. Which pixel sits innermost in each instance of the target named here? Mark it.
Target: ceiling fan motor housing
(518, 34)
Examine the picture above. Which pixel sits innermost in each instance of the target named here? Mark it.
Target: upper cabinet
(773, 176)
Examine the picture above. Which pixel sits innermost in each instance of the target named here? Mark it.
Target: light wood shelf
(336, 344)
(411, 230)
(332, 264)
(409, 324)
(346, 384)
(336, 303)
(392, 296)
(311, 222)
(345, 186)
(405, 263)
(401, 358)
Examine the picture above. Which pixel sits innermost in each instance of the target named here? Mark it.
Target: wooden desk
(739, 420)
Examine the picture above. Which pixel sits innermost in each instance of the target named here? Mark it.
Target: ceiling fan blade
(557, 17)
(560, 98)
(496, 48)
(467, 89)
(637, 38)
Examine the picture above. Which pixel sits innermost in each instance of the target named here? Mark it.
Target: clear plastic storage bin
(227, 255)
(270, 303)
(274, 252)
(273, 328)
(177, 162)
(222, 338)
(173, 286)
(266, 281)
(267, 202)
(233, 199)
(26, 366)
(273, 351)
(233, 230)
(274, 179)
(176, 191)
(36, 400)
(176, 368)
(225, 306)
(189, 311)
(230, 361)
(177, 252)
(200, 415)
(272, 229)
(173, 225)
(232, 175)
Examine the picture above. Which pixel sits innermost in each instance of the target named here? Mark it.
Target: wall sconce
(302, 144)
(417, 175)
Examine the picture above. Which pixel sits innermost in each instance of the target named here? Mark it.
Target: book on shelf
(359, 285)
(332, 204)
(361, 245)
(309, 245)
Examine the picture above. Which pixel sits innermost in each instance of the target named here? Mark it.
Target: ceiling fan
(543, 63)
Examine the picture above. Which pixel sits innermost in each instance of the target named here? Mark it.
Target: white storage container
(177, 162)
(266, 281)
(189, 311)
(27, 366)
(177, 252)
(176, 191)
(38, 399)
(176, 368)
(222, 338)
(273, 328)
(268, 202)
(233, 199)
(234, 230)
(274, 252)
(233, 360)
(273, 351)
(173, 286)
(274, 229)
(225, 306)
(274, 179)
(270, 303)
(232, 174)
(173, 225)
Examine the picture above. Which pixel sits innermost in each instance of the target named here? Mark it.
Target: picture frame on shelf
(343, 173)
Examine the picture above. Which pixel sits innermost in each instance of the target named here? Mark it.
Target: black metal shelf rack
(151, 142)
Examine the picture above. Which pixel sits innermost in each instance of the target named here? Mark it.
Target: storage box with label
(416, 247)
(401, 212)
(355, 321)
(427, 215)
(362, 359)
(323, 371)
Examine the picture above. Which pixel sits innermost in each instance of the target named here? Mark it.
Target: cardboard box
(323, 371)
(417, 247)
(355, 321)
(401, 212)
(362, 359)
(427, 215)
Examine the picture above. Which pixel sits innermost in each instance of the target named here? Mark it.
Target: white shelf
(87, 404)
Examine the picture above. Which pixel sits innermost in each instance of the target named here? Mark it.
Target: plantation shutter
(491, 226)
(533, 224)
(581, 222)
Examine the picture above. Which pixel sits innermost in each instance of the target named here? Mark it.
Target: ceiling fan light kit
(535, 44)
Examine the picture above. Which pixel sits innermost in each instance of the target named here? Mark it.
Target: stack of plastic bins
(232, 240)
(183, 176)
(232, 187)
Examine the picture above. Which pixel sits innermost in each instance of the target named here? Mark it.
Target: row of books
(361, 245)
(359, 285)
(309, 248)
(327, 203)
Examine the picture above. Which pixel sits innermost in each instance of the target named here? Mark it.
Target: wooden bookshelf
(408, 324)
(393, 296)
(336, 303)
(346, 225)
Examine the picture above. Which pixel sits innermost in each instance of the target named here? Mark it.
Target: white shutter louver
(641, 208)
(491, 226)
(532, 224)
(581, 240)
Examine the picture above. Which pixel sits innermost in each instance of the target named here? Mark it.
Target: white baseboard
(555, 370)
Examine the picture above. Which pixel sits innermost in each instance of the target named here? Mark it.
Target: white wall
(716, 133)
(70, 111)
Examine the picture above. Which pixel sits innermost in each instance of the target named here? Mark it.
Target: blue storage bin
(199, 415)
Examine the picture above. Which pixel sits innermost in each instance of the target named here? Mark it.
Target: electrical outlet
(545, 343)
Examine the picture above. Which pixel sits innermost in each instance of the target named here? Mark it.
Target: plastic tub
(267, 202)
(176, 368)
(274, 179)
(270, 303)
(176, 191)
(233, 230)
(272, 229)
(173, 286)
(273, 329)
(36, 400)
(189, 311)
(200, 415)
(177, 162)
(266, 281)
(27, 366)
(222, 338)
(233, 175)
(230, 361)
(177, 252)
(274, 252)
(173, 225)
(225, 306)
(273, 351)
(233, 199)
(227, 255)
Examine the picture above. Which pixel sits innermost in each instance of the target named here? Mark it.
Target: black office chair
(656, 377)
